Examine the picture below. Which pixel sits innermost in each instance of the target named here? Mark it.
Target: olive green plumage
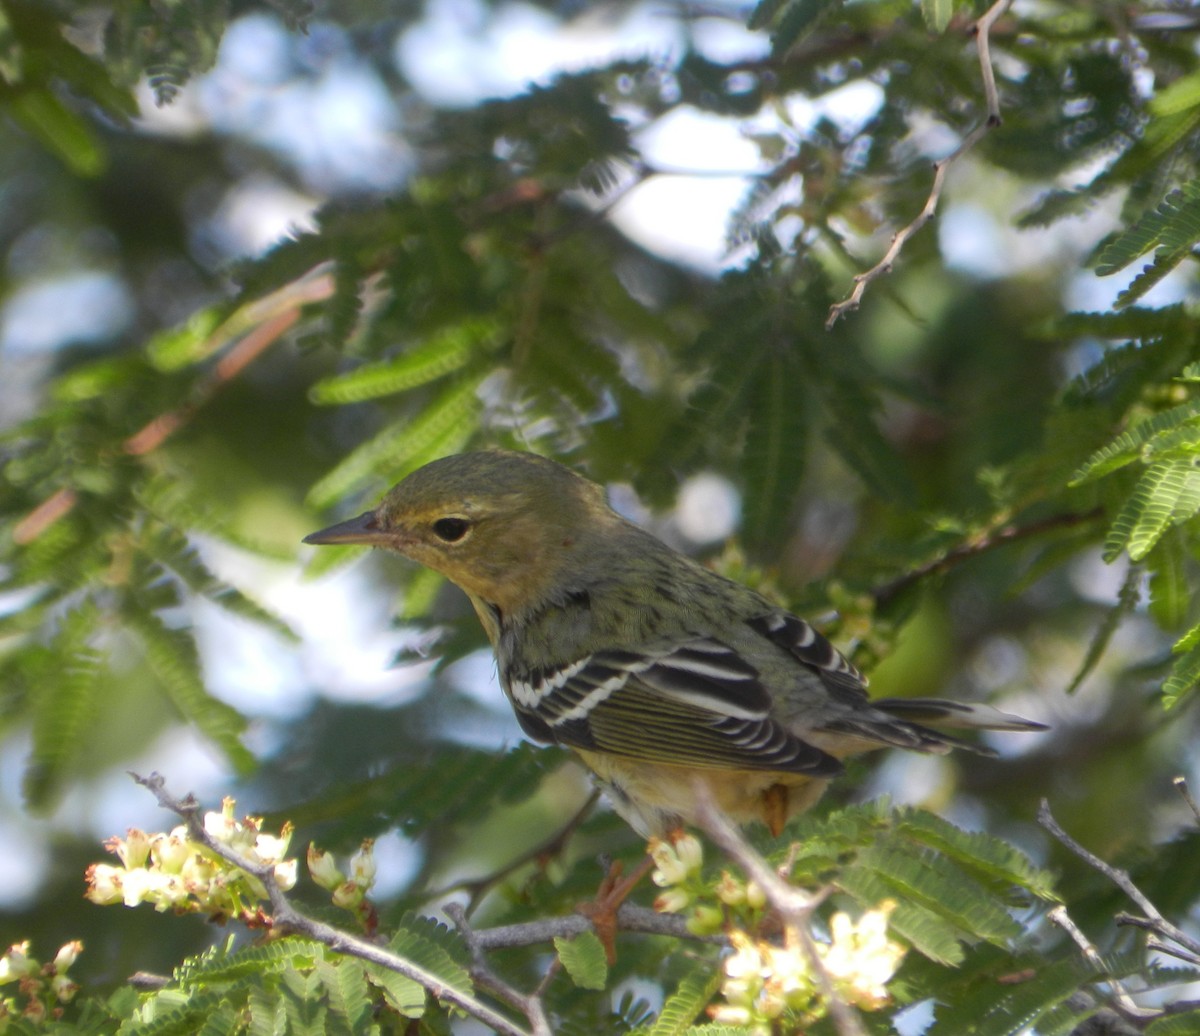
(654, 669)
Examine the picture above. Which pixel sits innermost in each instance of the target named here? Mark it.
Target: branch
(981, 543)
(794, 905)
(1181, 787)
(287, 918)
(254, 327)
(630, 918)
(553, 846)
(982, 30)
(529, 1004)
(1153, 921)
(1060, 917)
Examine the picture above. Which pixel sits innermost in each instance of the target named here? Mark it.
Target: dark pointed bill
(363, 529)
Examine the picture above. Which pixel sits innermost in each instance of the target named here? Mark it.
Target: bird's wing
(696, 702)
(803, 642)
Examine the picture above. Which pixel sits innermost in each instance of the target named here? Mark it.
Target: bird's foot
(613, 891)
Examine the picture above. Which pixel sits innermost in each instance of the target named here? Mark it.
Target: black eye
(451, 529)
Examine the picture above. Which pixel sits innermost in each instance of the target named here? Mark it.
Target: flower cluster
(349, 890)
(42, 989)
(677, 871)
(172, 871)
(763, 981)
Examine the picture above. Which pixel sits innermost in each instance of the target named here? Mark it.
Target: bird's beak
(363, 529)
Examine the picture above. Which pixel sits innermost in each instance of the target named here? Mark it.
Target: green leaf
(64, 706)
(798, 19)
(997, 1010)
(172, 655)
(584, 959)
(1171, 493)
(60, 130)
(940, 886)
(189, 343)
(443, 353)
(937, 14)
(1170, 596)
(1175, 97)
(1186, 1024)
(1185, 674)
(682, 1007)
(403, 994)
(925, 931)
(435, 948)
(1128, 598)
(984, 855)
(449, 418)
(1127, 446)
(346, 990)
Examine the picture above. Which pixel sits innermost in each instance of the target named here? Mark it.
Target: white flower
(285, 874)
(323, 868)
(104, 883)
(67, 955)
(16, 964)
(362, 865)
(673, 901)
(861, 958)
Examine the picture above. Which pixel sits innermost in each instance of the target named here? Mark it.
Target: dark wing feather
(696, 702)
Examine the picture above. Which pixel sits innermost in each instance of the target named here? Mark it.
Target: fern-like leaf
(583, 958)
(171, 654)
(1185, 674)
(443, 353)
(400, 445)
(63, 707)
(1128, 598)
(682, 1007)
(1127, 446)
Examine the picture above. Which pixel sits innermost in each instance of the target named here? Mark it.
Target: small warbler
(654, 669)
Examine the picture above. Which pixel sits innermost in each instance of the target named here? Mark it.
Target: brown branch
(255, 328)
(982, 31)
(286, 918)
(981, 543)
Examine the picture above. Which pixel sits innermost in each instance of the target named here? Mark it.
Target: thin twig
(1153, 942)
(981, 543)
(1125, 1002)
(529, 1004)
(794, 905)
(1154, 920)
(1181, 787)
(254, 328)
(630, 918)
(553, 846)
(982, 30)
(286, 918)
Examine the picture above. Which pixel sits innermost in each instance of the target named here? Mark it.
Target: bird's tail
(908, 723)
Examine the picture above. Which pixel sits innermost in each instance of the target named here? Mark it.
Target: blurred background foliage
(263, 259)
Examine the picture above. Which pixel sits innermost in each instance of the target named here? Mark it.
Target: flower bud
(66, 955)
(323, 868)
(362, 865)
(673, 901)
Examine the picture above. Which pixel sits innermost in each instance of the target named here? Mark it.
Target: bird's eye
(451, 530)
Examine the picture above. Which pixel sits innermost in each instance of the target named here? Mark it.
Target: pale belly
(655, 798)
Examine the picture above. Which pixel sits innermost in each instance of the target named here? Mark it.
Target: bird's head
(498, 523)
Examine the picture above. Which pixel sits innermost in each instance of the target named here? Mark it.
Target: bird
(668, 680)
